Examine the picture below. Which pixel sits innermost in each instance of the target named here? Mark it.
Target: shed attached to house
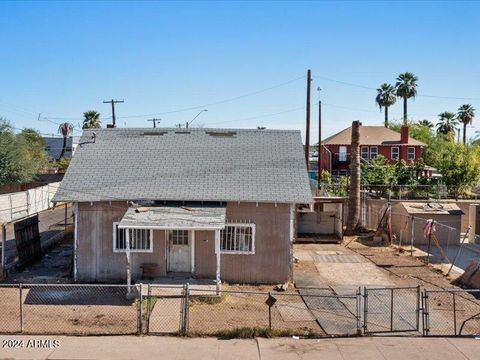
(209, 203)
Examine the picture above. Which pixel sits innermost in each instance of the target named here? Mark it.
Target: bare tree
(354, 189)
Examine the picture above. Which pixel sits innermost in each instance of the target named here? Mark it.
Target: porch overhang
(174, 218)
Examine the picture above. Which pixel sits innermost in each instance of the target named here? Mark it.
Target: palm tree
(406, 86)
(385, 98)
(65, 129)
(426, 123)
(447, 124)
(91, 120)
(465, 114)
(353, 217)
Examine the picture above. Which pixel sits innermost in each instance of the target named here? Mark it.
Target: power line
(217, 102)
(374, 89)
(259, 116)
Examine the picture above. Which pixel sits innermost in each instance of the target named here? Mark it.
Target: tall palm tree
(465, 114)
(426, 123)
(353, 217)
(406, 86)
(447, 123)
(385, 98)
(91, 120)
(65, 129)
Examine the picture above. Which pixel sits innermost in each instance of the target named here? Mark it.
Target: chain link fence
(451, 312)
(69, 309)
(181, 309)
(391, 310)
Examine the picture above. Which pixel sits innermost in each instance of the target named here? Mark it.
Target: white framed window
(238, 239)
(373, 152)
(342, 153)
(364, 152)
(140, 239)
(411, 153)
(395, 152)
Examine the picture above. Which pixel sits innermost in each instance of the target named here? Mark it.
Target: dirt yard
(244, 306)
(65, 310)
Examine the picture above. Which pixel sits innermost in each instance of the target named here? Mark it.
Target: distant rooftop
(370, 135)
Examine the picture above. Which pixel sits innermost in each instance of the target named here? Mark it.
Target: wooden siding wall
(205, 257)
(96, 260)
(271, 261)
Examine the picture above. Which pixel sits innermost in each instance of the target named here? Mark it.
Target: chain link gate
(391, 310)
(451, 312)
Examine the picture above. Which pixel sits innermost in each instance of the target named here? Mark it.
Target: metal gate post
(21, 308)
(359, 310)
(454, 315)
(139, 315)
(187, 307)
(426, 314)
(418, 308)
(365, 309)
(149, 296)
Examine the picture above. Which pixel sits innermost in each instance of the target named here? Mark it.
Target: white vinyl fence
(20, 204)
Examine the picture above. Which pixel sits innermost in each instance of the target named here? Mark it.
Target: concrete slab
(22, 347)
(354, 275)
(154, 347)
(284, 349)
(295, 311)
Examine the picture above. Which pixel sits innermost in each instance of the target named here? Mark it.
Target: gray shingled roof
(201, 165)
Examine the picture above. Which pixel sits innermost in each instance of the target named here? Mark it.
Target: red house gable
(374, 140)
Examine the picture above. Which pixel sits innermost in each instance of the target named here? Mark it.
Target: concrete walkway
(131, 347)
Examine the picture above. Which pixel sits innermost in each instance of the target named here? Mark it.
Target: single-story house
(209, 203)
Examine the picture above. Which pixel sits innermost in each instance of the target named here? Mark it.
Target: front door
(179, 256)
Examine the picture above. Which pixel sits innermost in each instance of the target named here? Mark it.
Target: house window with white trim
(395, 152)
(140, 239)
(238, 239)
(364, 152)
(411, 153)
(342, 153)
(373, 152)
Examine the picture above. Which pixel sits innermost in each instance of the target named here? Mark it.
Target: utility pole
(307, 132)
(319, 138)
(113, 102)
(154, 121)
(189, 122)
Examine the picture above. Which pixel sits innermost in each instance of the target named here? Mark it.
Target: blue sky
(63, 58)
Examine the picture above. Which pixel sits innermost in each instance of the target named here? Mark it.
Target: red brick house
(374, 141)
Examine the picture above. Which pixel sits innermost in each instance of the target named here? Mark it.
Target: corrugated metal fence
(17, 205)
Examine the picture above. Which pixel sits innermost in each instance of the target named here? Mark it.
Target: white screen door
(179, 257)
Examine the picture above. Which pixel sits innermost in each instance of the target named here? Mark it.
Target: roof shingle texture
(170, 164)
(370, 135)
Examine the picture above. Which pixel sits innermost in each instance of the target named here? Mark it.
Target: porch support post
(217, 252)
(129, 267)
(75, 241)
(292, 237)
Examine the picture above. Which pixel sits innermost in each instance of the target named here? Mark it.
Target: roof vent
(154, 133)
(221, 133)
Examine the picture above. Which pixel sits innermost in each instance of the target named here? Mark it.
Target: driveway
(335, 274)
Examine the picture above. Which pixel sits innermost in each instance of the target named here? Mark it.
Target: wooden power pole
(319, 174)
(154, 121)
(307, 131)
(113, 102)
